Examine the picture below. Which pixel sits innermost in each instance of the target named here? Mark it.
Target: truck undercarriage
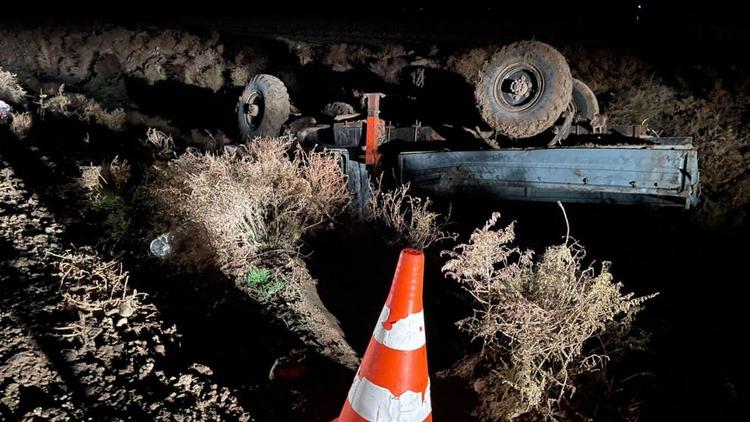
(547, 141)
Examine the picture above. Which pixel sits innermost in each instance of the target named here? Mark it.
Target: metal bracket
(372, 133)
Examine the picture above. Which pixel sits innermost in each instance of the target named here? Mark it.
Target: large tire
(584, 100)
(523, 89)
(271, 100)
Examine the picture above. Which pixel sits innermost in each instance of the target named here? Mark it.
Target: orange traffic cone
(392, 383)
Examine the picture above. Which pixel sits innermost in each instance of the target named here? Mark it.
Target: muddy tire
(263, 107)
(584, 100)
(523, 89)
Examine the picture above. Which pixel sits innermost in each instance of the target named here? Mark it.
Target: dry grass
(10, 90)
(21, 123)
(534, 318)
(97, 290)
(82, 108)
(408, 218)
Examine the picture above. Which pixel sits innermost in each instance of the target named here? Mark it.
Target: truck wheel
(263, 107)
(523, 89)
(584, 100)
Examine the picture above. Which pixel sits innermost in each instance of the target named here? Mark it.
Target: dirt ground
(119, 371)
(194, 349)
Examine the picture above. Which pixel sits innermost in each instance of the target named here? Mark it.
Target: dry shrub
(84, 109)
(534, 318)
(390, 61)
(10, 90)
(97, 290)
(305, 52)
(470, 63)
(247, 212)
(239, 75)
(116, 173)
(91, 180)
(344, 57)
(160, 143)
(255, 205)
(246, 63)
(20, 123)
(408, 218)
(206, 70)
(113, 175)
(104, 186)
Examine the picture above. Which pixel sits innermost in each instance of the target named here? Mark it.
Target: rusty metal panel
(655, 174)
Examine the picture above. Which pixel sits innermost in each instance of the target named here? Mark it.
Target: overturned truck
(544, 140)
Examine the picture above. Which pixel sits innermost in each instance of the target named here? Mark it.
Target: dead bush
(246, 63)
(91, 179)
(113, 175)
(116, 173)
(390, 62)
(206, 70)
(254, 205)
(160, 143)
(104, 186)
(247, 212)
(534, 318)
(408, 218)
(239, 75)
(344, 57)
(20, 123)
(97, 290)
(10, 90)
(469, 64)
(82, 108)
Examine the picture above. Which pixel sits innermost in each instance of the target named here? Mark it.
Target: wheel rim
(518, 87)
(253, 110)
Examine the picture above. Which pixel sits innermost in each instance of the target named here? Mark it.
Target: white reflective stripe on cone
(405, 334)
(376, 403)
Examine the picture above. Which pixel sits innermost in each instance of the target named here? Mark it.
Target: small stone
(120, 322)
(126, 309)
(159, 349)
(202, 369)
(145, 370)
